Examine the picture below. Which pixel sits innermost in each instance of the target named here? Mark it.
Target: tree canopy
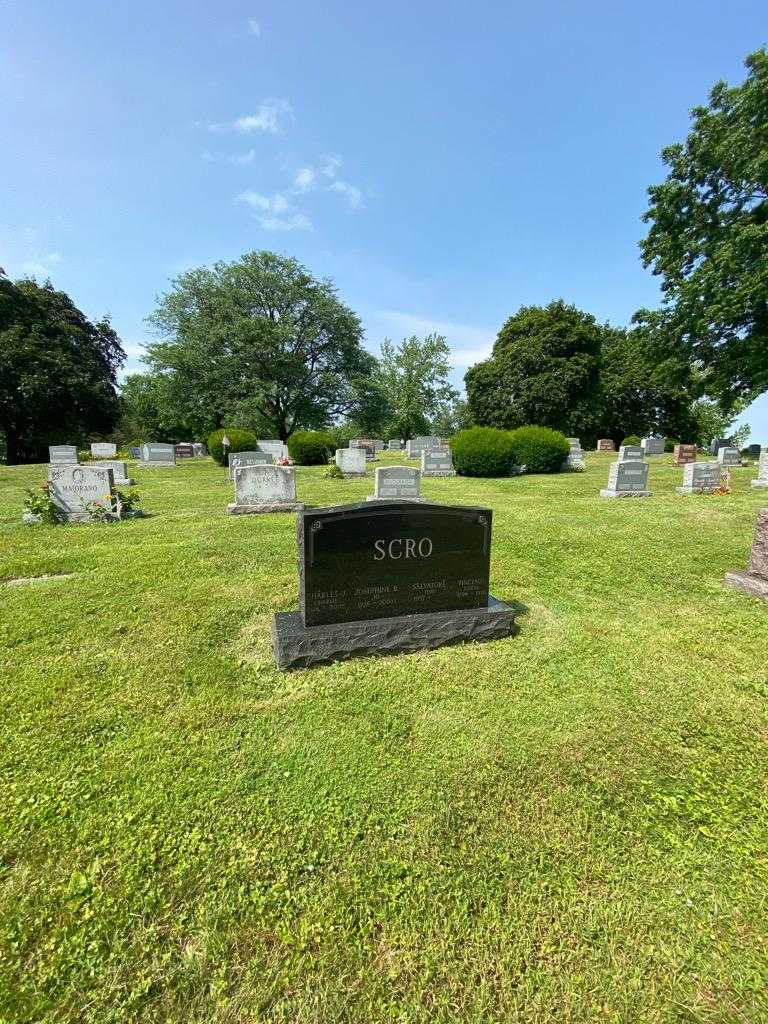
(544, 370)
(58, 371)
(708, 239)
(258, 337)
(414, 378)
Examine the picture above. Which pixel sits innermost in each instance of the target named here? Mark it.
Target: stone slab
(607, 493)
(748, 583)
(298, 646)
(275, 506)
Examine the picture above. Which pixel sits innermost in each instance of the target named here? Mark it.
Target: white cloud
(305, 179)
(270, 117)
(351, 193)
(243, 158)
(275, 213)
(254, 28)
(469, 344)
(330, 165)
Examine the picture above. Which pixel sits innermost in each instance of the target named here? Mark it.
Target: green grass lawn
(566, 825)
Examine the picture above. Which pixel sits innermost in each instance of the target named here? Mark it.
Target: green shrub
(483, 451)
(310, 447)
(539, 449)
(670, 442)
(84, 455)
(239, 441)
(630, 439)
(334, 472)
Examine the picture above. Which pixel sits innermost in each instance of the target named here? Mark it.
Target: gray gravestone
(762, 470)
(199, 448)
(73, 488)
(575, 459)
(394, 445)
(103, 450)
(384, 577)
(155, 455)
(264, 489)
(119, 471)
(63, 455)
(237, 460)
(719, 442)
(653, 445)
(351, 461)
(437, 462)
(396, 483)
(631, 452)
(729, 457)
(627, 480)
(379, 445)
(276, 448)
(700, 478)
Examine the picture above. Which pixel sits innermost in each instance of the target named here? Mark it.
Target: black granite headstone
(389, 577)
(359, 562)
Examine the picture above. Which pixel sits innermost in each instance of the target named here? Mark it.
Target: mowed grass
(569, 825)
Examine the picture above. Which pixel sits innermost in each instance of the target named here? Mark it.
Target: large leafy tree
(544, 370)
(414, 378)
(58, 371)
(708, 239)
(262, 334)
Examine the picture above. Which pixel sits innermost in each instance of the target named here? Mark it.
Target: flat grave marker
(260, 489)
(396, 483)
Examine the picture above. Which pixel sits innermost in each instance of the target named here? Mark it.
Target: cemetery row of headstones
(628, 475)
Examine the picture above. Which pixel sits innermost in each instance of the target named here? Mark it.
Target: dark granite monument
(380, 578)
(755, 580)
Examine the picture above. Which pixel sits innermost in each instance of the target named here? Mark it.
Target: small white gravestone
(264, 489)
(631, 452)
(575, 459)
(157, 455)
(74, 488)
(700, 478)
(239, 459)
(351, 461)
(653, 445)
(396, 483)
(63, 455)
(437, 462)
(120, 472)
(379, 444)
(395, 445)
(276, 448)
(103, 450)
(627, 480)
(762, 470)
(729, 457)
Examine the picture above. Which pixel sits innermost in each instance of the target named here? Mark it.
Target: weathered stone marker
(396, 483)
(437, 462)
(264, 489)
(700, 478)
(394, 445)
(653, 445)
(683, 454)
(103, 450)
(159, 456)
(605, 444)
(237, 460)
(627, 480)
(729, 457)
(351, 461)
(755, 580)
(631, 452)
(73, 488)
(119, 471)
(185, 450)
(63, 455)
(385, 577)
(276, 448)
(575, 458)
(762, 470)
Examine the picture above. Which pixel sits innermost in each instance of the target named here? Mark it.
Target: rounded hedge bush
(483, 451)
(630, 439)
(310, 447)
(539, 449)
(239, 441)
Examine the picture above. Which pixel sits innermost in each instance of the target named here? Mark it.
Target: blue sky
(444, 163)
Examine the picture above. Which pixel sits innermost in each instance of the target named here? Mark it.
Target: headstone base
(124, 483)
(298, 646)
(605, 493)
(695, 490)
(157, 465)
(759, 483)
(372, 497)
(438, 472)
(748, 583)
(267, 506)
(349, 473)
